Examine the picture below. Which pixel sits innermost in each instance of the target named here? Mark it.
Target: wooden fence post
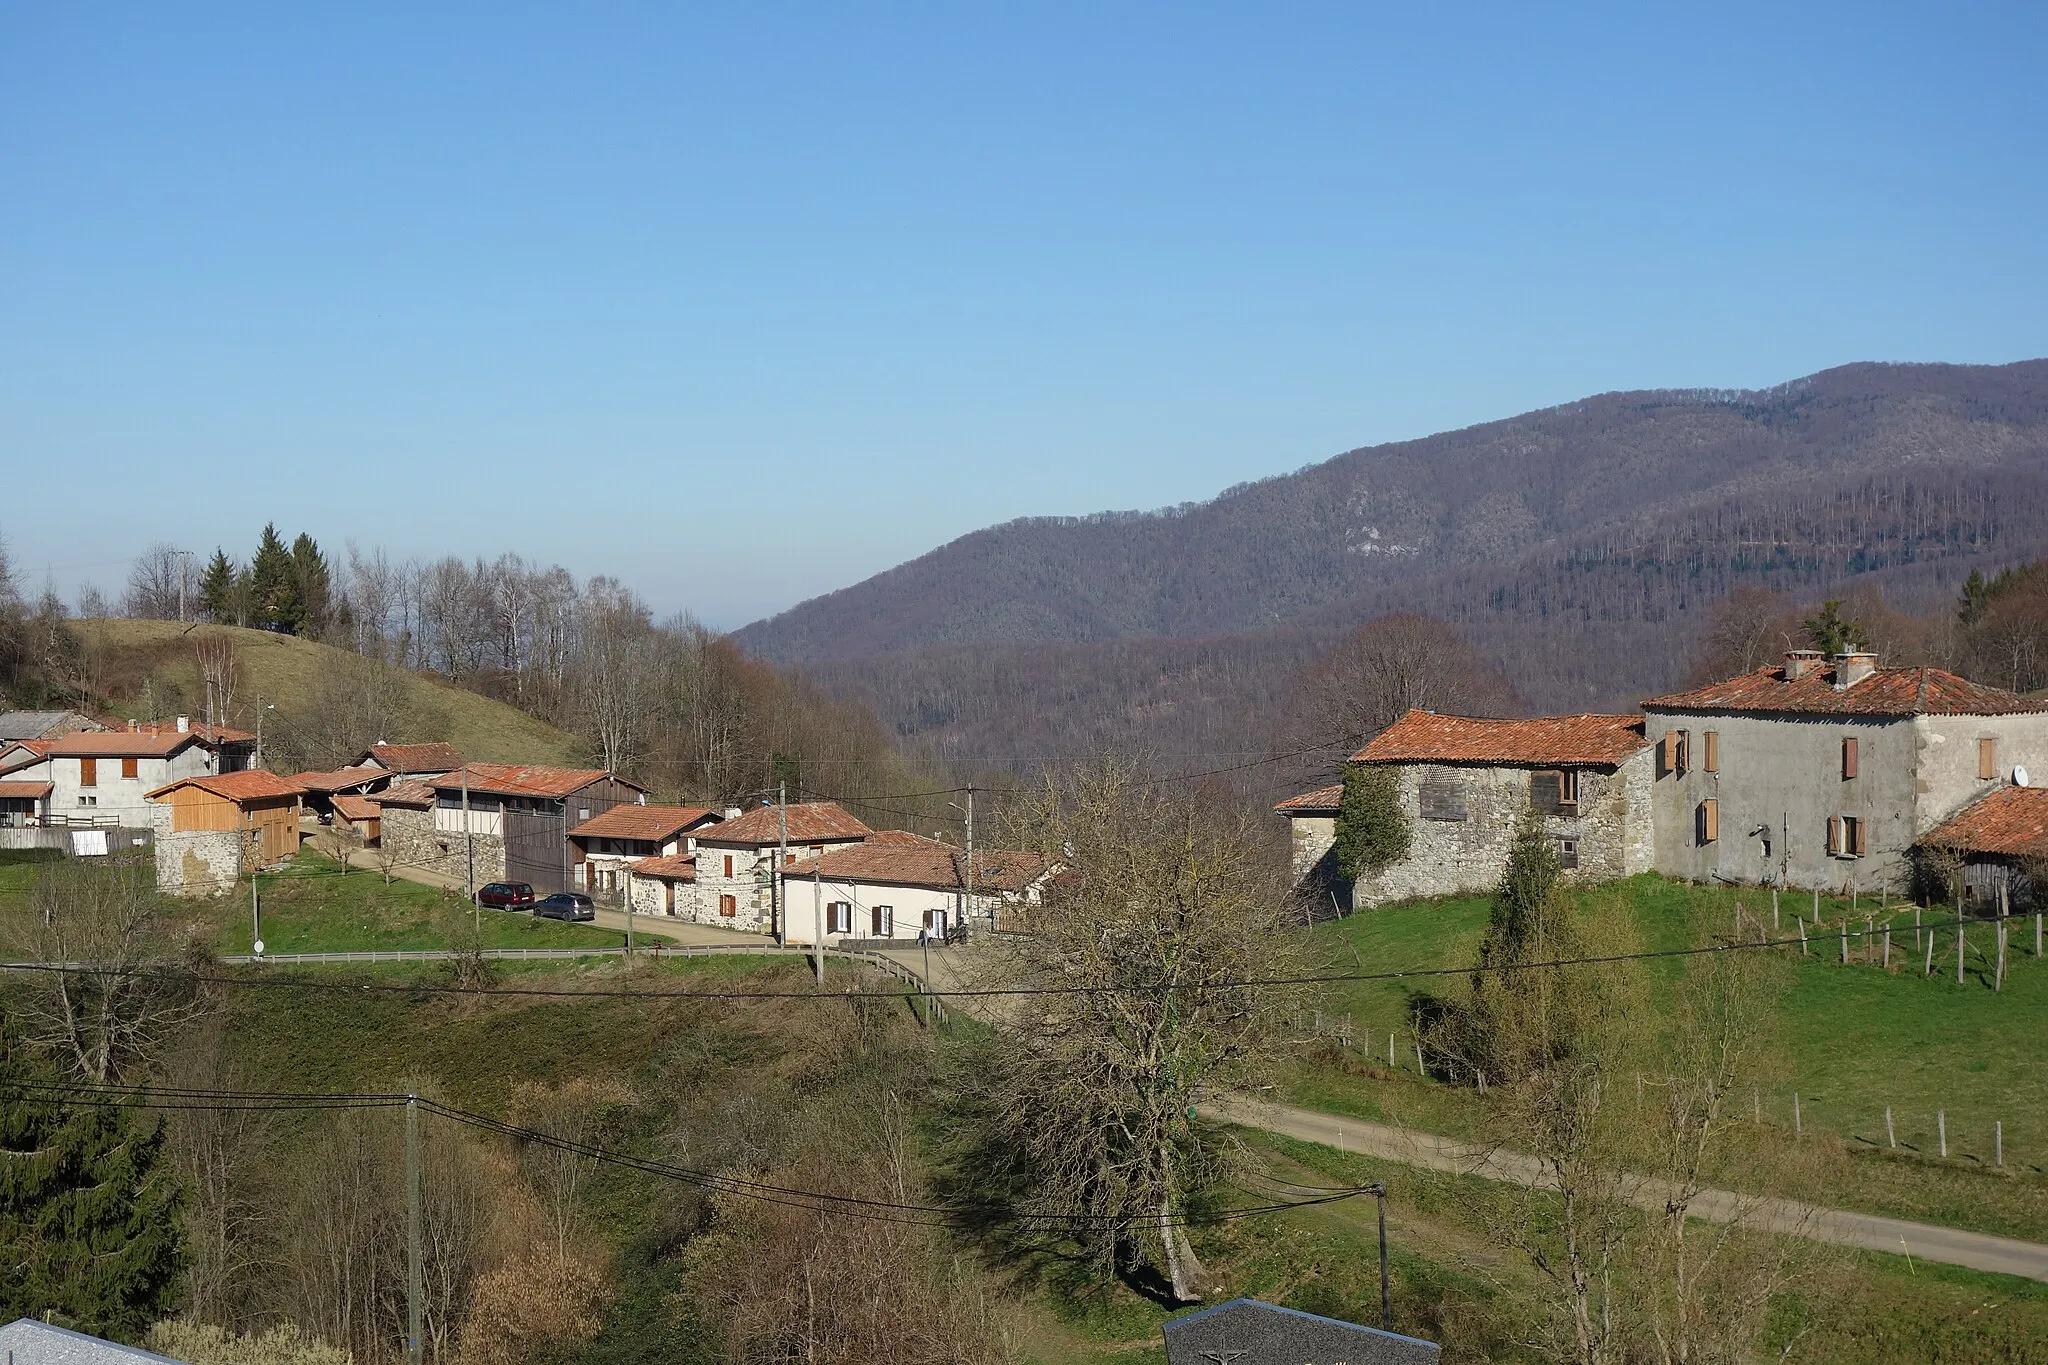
(1929, 970)
(1774, 913)
(1845, 942)
(1998, 1142)
(1890, 1137)
(1887, 945)
(1941, 1129)
(1797, 1130)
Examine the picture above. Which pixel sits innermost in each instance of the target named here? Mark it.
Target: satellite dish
(2019, 777)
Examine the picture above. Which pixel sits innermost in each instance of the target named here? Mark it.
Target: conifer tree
(88, 1211)
(310, 577)
(1833, 633)
(274, 602)
(218, 589)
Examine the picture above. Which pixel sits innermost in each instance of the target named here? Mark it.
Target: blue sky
(745, 304)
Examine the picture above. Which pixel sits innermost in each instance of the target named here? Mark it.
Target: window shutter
(1834, 834)
(1858, 839)
(1987, 759)
(875, 921)
(1710, 820)
(1710, 751)
(1684, 751)
(88, 772)
(1667, 751)
(728, 864)
(1848, 757)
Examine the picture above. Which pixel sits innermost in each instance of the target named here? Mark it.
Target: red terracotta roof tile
(929, 864)
(1321, 801)
(2009, 820)
(658, 823)
(1541, 742)
(680, 868)
(1884, 692)
(357, 809)
(512, 779)
(413, 758)
(405, 794)
(253, 784)
(24, 791)
(810, 822)
(340, 779)
(148, 741)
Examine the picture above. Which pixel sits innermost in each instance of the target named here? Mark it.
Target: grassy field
(283, 670)
(1850, 1040)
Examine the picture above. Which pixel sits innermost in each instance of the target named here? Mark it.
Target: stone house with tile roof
(610, 842)
(1463, 782)
(517, 819)
(212, 829)
(102, 778)
(1824, 773)
(736, 886)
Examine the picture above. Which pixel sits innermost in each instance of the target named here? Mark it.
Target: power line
(972, 993)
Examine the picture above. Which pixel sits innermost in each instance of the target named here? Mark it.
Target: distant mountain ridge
(1580, 548)
(1297, 547)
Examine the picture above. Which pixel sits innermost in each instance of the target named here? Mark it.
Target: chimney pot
(1800, 662)
(1853, 668)
(134, 727)
(184, 725)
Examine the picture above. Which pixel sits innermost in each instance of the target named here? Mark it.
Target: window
(1555, 793)
(789, 860)
(128, 769)
(88, 772)
(728, 864)
(1848, 758)
(883, 918)
(1677, 755)
(1707, 821)
(935, 923)
(729, 906)
(1855, 829)
(1848, 836)
(1567, 853)
(1710, 751)
(1987, 759)
(839, 917)
(1441, 797)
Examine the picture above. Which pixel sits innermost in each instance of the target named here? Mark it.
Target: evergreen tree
(1976, 599)
(217, 589)
(1517, 1020)
(88, 1212)
(1372, 831)
(309, 575)
(274, 602)
(1831, 632)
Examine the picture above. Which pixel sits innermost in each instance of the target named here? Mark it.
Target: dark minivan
(505, 896)
(565, 905)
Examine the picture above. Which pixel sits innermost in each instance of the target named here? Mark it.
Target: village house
(665, 885)
(610, 842)
(101, 779)
(43, 724)
(2000, 842)
(517, 822)
(212, 829)
(1825, 772)
(409, 760)
(735, 883)
(896, 887)
(360, 818)
(24, 805)
(1463, 782)
(323, 788)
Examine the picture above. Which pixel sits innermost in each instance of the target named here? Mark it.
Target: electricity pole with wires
(476, 915)
(415, 1261)
(776, 907)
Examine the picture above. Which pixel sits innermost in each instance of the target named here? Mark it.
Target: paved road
(1976, 1250)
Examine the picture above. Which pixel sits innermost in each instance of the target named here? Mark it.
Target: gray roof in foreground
(1249, 1332)
(28, 1342)
(28, 724)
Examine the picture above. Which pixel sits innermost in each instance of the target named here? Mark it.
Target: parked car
(565, 905)
(506, 896)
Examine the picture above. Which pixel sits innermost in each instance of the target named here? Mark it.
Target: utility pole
(629, 912)
(818, 919)
(968, 909)
(415, 1270)
(255, 917)
(261, 707)
(469, 858)
(775, 906)
(1379, 1192)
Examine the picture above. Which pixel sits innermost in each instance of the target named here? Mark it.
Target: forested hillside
(1580, 548)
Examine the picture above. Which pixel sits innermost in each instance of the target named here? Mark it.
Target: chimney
(732, 812)
(184, 725)
(1853, 668)
(1800, 662)
(134, 727)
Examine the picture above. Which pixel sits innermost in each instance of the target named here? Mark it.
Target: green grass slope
(150, 666)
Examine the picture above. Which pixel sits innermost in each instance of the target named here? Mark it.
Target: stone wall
(410, 839)
(1311, 838)
(204, 862)
(754, 898)
(1612, 828)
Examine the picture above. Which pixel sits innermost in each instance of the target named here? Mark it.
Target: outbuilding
(213, 828)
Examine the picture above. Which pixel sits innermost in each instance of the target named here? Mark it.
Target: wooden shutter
(1710, 751)
(875, 921)
(1441, 797)
(728, 864)
(1848, 757)
(1859, 841)
(1834, 834)
(1709, 820)
(1546, 792)
(728, 906)
(1987, 759)
(128, 767)
(88, 772)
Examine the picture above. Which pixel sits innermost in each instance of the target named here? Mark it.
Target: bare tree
(154, 583)
(222, 1154)
(615, 665)
(1377, 673)
(220, 672)
(92, 603)
(1085, 1097)
(105, 1018)
(582, 1111)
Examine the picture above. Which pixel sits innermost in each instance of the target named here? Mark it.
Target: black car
(505, 896)
(570, 905)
